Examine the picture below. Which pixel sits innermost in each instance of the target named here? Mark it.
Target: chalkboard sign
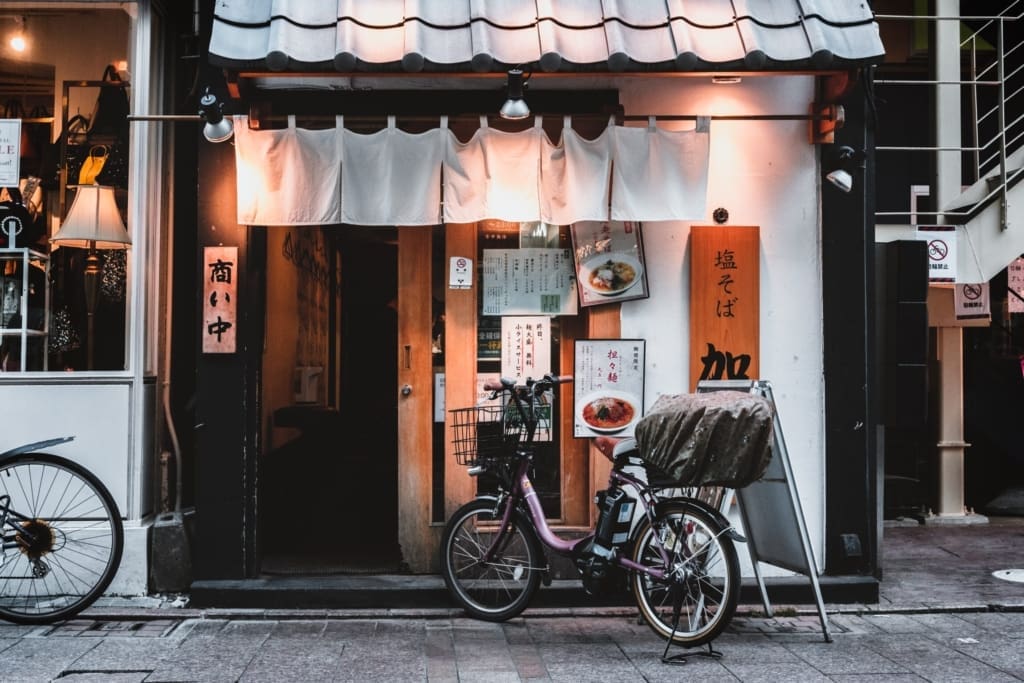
(773, 520)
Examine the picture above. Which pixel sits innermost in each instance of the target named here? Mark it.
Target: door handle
(406, 390)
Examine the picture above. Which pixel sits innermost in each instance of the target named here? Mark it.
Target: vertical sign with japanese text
(1015, 285)
(525, 347)
(725, 303)
(220, 305)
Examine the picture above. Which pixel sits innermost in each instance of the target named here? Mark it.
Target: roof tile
(547, 35)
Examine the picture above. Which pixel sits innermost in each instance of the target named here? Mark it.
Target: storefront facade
(330, 402)
(291, 425)
(99, 383)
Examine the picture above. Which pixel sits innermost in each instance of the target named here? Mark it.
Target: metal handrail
(991, 154)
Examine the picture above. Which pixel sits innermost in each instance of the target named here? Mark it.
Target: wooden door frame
(584, 470)
(415, 408)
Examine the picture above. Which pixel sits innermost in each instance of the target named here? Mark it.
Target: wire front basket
(492, 432)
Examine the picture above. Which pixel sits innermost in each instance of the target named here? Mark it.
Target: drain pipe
(168, 418)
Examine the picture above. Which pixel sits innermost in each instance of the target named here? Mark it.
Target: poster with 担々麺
(608, 386)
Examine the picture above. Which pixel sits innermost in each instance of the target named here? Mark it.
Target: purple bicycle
(675, 552)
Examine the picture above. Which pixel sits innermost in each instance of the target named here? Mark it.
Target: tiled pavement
(611, 645)
(942, 616)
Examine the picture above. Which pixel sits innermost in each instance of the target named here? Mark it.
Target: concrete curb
(152, 611)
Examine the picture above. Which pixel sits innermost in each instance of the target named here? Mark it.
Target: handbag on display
(103, 164)
(93, 164)
(110, 116)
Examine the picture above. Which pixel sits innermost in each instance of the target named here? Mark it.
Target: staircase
(990, 211)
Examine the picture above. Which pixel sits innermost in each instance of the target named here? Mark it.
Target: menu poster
(609, 262)
(526, 353)
(525, 347)
(608, 379)
(528, 282)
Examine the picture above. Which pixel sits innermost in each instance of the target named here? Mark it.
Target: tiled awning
(553, 36)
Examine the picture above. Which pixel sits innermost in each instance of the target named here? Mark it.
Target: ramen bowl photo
(607, 411)
(610, 274)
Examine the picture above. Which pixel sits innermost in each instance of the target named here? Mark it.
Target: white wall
(95, 414)
(764, 173)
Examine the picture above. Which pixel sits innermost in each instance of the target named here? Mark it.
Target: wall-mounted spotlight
(515, 106)
(218, 127)
(847, 159)
(18, 41)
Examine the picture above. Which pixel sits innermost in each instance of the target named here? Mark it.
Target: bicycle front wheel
(696, 600)
(501, 586)
(62, 538)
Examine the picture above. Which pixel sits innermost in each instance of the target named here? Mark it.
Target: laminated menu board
(528, 282)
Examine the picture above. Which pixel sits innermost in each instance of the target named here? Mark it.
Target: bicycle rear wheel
(697, 600)
(62, 538)
(498, 588)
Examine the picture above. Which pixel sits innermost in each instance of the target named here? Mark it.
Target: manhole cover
(1015, 575)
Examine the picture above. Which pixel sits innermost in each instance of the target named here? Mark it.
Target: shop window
(64, 301)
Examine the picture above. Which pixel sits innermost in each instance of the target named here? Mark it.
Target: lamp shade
(219, 131)
(515, 106)
(93, 221)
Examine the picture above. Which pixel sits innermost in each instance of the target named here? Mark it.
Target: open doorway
(368, 392)
(328, 488)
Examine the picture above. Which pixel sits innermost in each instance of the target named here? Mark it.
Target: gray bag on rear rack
(721, 438)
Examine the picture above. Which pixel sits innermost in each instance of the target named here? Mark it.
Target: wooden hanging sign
(220, 300)
(725, 303)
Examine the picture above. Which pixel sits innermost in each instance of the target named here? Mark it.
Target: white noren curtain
(296, 176)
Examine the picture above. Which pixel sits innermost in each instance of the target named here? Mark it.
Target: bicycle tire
(501, 588)
(707, 570)
(74, 558)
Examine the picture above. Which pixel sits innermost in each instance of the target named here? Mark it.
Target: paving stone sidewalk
(610, 645)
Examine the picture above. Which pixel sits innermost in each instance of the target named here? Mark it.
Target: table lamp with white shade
(94, 222)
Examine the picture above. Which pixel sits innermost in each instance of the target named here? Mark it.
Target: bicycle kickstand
(677, 606)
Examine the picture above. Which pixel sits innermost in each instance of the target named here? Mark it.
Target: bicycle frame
(523, 492)
(521, 495)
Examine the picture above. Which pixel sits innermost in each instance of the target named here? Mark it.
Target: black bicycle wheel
(62, 536)
(501, 587)
(698, 598)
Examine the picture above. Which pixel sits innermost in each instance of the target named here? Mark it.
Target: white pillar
(951, 423)
(948, 186)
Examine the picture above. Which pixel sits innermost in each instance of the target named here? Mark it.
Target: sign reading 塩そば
(725, 303)
(220, 303)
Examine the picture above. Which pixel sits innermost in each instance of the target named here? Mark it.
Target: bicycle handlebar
(543, 384)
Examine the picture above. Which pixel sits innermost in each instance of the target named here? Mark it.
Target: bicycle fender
(712, 512)
(545, 575)
(37, 446)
